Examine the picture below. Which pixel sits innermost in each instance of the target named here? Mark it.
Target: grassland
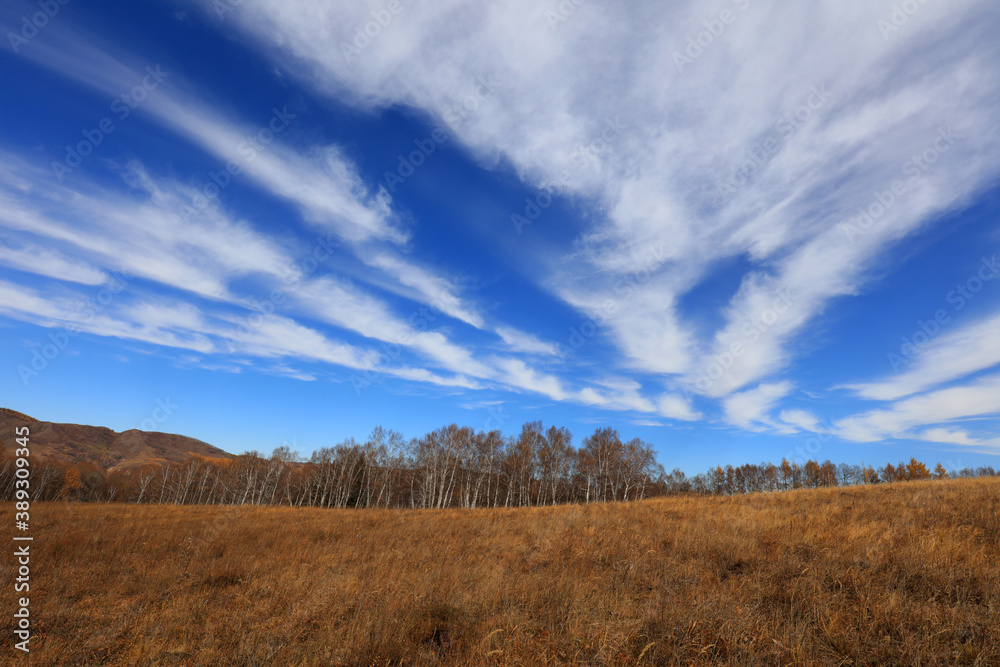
(900, 574)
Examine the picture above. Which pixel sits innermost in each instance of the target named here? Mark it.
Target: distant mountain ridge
(102, 447)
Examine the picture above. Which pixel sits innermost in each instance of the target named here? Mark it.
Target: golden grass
(902, 574)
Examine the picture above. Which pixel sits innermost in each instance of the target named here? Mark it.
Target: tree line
(450, 467)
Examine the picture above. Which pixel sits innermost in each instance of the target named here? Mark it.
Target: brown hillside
(76, 443)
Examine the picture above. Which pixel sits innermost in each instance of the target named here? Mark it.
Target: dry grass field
(901, 574)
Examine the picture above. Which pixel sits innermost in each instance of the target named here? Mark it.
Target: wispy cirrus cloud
(953, 355)
(32, 258)
(143, 231)
(751, 409)
(697, 291)
(430, 288)
(906, 418)
(657, 183)
(321, 182)
(519, 341)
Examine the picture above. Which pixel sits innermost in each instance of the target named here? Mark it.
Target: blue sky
(736, 231)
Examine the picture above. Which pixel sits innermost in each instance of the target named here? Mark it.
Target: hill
(102, 447)
(888, 574)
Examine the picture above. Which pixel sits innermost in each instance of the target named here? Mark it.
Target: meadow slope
(898, 574)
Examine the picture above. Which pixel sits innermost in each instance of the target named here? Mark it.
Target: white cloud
(676, 407)
(516, 373)
(289, 372)
(142, 233)
(348, 307)
(947, 436)
(74, 314)
(424, 375)
(278, 336)
(45, 262)
(640, 318)
(617, 393)
(654, 182)
(802, 419)
(204, 256)
(519, 341)
(952, 355)
(321, 182)
(430, 289)
(904, 419)
(749, 409)
(596, 110)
